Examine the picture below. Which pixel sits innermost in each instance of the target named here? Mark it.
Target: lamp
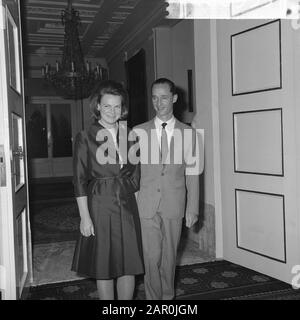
(72, 78)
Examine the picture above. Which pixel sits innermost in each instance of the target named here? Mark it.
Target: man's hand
(190, 219)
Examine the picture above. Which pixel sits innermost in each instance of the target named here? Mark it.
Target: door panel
(15, 253)
(265, 157)
(247, 63)
(18, 152)
(258, 145)
(51, 123)
(22, 251)
(254, 210)
(13, 48)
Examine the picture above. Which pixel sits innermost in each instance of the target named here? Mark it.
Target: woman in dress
(109, 248)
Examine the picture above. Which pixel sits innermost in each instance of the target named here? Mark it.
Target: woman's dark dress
(116, 248)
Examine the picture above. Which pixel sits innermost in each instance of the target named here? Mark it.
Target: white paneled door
(51, 124)
(258, 139)
(15, 243)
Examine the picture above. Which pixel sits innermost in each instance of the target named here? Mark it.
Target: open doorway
(137, 88)
(51, 125)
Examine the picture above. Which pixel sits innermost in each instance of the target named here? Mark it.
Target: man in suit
(168, 190)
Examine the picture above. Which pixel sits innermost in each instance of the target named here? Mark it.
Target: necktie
(164, 143)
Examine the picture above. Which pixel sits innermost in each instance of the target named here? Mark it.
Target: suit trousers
(160, 242)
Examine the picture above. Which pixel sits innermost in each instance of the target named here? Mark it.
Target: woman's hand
(86, 227)
(86, 224)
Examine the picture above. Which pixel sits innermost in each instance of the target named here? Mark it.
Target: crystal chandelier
(72, 78)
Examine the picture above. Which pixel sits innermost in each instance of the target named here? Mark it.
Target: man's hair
(108, 87)
(165, 81)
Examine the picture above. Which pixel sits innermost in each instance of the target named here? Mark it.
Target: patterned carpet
(218, 280)
(46, 189)
(55, 228)
(54, 221)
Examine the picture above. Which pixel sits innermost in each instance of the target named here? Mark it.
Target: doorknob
(2, 167)
(19, 152)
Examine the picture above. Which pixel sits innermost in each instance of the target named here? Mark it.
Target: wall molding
(284, 260)
(281, 174)
(148, 23)
(216, 138)
(233, 93)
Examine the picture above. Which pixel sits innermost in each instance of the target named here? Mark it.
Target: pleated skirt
(116, 248)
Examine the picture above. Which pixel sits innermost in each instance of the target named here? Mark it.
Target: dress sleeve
(131, 171)
(80, 165)
(136, 174)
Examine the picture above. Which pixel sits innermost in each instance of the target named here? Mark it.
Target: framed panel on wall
(256, 59)
(258, 151)
(254, 233)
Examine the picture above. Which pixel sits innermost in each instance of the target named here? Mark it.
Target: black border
(284, 229)
(280, 59)
(234, 149)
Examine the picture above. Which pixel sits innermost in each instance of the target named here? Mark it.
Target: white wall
(163, 52)
(117, 64)
(174, 55)
(206, 102)
(203, 97)
(182, 42)
(169, 53)
(191, 44)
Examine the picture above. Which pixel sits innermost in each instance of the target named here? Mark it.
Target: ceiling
(104, 24)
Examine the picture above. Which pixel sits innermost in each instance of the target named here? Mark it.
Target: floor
(52, 261)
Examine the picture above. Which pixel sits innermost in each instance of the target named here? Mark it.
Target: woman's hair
(108, 87)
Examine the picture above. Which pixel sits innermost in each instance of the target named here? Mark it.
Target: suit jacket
(167, 188)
